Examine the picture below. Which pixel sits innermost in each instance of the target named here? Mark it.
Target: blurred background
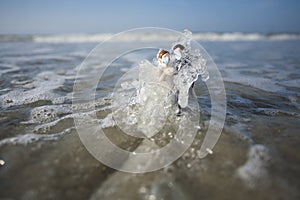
(256, 46)
(92, 16)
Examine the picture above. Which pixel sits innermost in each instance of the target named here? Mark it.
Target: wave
(86, 38)
(244, 36)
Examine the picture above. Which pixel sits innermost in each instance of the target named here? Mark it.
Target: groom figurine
(185, 75)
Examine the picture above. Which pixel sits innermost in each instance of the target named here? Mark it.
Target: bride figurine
(165, 70)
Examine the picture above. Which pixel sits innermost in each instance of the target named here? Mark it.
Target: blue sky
(91, 16)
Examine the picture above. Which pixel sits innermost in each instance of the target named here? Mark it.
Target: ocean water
(256, 157)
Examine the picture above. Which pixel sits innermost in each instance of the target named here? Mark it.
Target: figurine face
(165, 58)
(177, 53)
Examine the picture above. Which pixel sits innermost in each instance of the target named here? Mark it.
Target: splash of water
(192, 65)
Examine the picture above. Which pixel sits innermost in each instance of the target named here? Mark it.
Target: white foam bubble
(48, 113)
(49, 120)
(145, 36)
(29, 138)
(254, 172)
(40, 89)
(229, 36)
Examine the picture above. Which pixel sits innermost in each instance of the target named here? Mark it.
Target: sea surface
(256, 157)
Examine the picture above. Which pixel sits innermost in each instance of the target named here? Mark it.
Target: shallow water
(255, 158)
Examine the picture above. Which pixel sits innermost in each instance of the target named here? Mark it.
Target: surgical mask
(165, 60)
(177, 57)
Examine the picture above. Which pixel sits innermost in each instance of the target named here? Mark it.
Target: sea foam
(147, 37)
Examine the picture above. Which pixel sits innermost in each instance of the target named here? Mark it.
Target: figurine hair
(161, 53)
(180, 46)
